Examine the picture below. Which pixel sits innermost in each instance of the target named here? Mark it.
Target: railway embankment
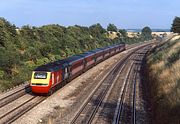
(162, 70)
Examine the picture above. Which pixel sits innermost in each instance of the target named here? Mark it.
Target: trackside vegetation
(163, 74)
(23, 49)
(176, 25)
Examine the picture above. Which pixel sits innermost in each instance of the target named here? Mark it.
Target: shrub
(173, 58)
(1, 74)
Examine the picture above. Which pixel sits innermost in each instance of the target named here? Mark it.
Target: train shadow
(108, 113)
(107, 110)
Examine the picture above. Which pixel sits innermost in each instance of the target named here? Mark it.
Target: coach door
(53, 79)
(65, 72)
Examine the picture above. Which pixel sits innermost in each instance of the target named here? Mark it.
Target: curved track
(96, 100)
(124, 113)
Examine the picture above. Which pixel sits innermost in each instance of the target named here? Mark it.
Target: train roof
(96, 50)
(88, 53)
(60, 62)
(48, 67)
(120, 44)
(53, 66)
(105, 48)
(74, 58)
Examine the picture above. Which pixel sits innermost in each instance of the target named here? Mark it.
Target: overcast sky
(122, 13)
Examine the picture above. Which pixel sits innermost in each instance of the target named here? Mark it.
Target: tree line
(23, 49)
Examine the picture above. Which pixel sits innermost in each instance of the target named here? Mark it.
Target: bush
(173, 58)
(42, 61)
(1, 74)
(176, 25)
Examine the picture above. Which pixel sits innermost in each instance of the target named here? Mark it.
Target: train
(47, 77)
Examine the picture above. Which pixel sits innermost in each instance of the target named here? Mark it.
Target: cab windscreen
(40, 75)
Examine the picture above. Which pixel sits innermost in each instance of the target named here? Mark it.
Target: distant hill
(153, 30)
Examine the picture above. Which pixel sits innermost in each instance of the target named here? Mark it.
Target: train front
(40, 82)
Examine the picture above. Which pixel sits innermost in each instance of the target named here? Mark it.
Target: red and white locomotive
(46, 77)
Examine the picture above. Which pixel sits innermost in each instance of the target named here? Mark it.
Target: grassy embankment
(163, 67)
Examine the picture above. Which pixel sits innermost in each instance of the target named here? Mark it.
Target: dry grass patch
(112, 35)
(164, 72)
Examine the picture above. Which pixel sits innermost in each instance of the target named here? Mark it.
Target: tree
(123, 32)
(96, 30)
(176, 25)
(146, 33)
(7, 33)
(112, 27)
(8, 59)
(45, 50)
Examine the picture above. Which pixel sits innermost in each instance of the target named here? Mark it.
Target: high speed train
(47, 77)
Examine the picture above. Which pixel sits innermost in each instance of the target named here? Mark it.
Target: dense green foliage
(146, 33)
(123, 32)
(111, 27)
(23, 49)
(176, 25)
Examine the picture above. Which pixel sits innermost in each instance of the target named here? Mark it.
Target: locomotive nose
(40, 82)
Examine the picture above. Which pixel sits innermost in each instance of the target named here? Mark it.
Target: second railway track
(12, 95)
(126, 107)
(8, 116)
(90, 111)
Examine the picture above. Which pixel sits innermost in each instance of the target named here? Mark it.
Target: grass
(164, 81)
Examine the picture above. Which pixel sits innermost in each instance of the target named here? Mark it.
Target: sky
(126, 14)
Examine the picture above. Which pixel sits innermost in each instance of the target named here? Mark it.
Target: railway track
(88, 111)
(8, 116)
(17, 102)
(126, 108)
(125, 111)
(99, 94)
(12, 95)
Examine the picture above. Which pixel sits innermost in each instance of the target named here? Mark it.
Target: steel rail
(120, 64)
